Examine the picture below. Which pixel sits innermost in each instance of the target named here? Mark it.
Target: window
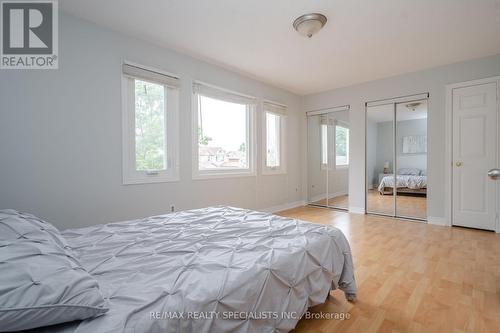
(150, 102)
(341, 145)
(273, 139)
(150, 140)
(324, 145)
(223, 135)
(334, 133)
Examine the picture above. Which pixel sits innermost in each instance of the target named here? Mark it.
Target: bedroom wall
(405, 128)
(61, 135)
(385, 149)
(371, 155)
(430, 80)
(384, 146)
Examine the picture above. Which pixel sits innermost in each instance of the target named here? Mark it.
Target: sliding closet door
(328, 158)
(380, 159)
(396, 157)
(411, 159)
(317, 153)
(338, 165)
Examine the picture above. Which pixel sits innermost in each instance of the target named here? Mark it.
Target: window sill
(150, 180)
(204, 175)
(271, 172)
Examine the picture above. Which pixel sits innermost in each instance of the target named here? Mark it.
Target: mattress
(408, 181)
(216, 269)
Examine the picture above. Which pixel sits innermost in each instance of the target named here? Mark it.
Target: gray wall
(432, 81)
(371, 154)
(406, 128)
(384, 145)
(61, 135)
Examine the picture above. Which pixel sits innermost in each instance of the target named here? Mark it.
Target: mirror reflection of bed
(397, 140)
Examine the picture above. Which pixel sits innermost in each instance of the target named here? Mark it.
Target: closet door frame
(394, 102)
(326, 112)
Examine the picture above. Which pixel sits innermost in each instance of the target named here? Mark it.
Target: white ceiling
(383, 113)
(362, 41)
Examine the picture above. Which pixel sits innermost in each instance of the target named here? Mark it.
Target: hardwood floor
(341, 201)
(407, 205)
(412, 277)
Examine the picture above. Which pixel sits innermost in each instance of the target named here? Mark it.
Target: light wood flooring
(406, 205)
(341, 201)
(412, 277)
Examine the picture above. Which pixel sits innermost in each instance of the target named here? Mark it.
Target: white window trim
(129, 173)
(333, 127)
(326, 166)
(204, 89)
(279, 110)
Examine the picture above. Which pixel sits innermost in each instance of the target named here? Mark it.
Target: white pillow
(42, 283)
(409, 171)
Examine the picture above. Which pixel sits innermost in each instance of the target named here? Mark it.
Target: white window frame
(171, 83)
(326, 124)
(211, 91)
(280, 111)
(344, 125)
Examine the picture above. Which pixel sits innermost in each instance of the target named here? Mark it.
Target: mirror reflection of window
(324, 145)
(341, 145)
(328, 159)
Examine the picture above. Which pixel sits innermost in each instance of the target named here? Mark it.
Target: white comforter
(211, 263)
(409, 181)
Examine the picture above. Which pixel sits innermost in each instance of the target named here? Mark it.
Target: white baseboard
(318, 197)
(322, 196)
(356, 210)
(286, 206)
(437, 221)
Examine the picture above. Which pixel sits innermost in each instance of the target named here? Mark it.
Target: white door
(475, 147)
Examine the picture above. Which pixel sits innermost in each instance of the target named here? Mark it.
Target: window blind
(222, 94)
(150, 75)
(274, 108)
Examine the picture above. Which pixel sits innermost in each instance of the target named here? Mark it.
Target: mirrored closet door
(328, 158)
(396, 157)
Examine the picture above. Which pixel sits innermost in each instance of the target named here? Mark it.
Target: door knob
(494, 174)
(458, 164)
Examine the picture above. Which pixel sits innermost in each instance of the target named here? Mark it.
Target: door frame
(449, 146)
(394, 101)
(316, 112)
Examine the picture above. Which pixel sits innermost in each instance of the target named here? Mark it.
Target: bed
(217, 269)
(405, 183)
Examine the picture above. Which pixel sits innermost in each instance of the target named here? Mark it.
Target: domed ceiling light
(413, 106)
(309, 24)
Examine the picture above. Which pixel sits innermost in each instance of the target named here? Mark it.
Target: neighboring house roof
(209, 151)
(231, 163)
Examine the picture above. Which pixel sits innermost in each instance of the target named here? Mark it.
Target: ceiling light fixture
(413, 106)
(309, 24)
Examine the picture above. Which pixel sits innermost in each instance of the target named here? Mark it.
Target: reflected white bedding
(408, 181)
(216, 260)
